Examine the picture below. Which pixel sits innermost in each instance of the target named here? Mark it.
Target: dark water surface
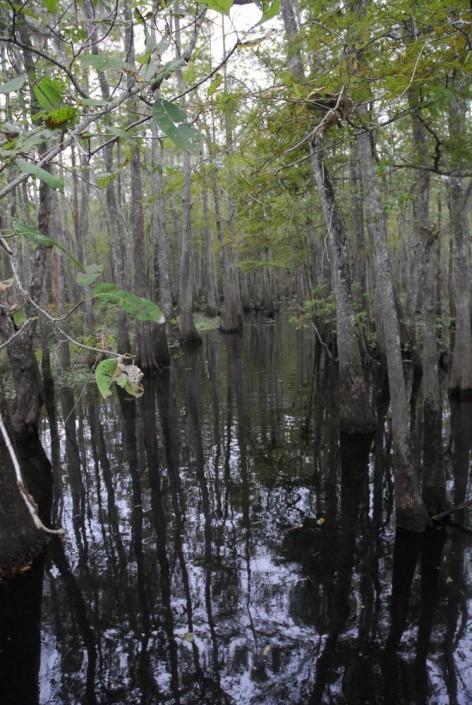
(222, 548)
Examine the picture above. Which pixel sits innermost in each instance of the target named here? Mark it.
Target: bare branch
(27, 498)
(38, 52)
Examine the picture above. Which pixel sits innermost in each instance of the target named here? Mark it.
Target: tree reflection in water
(224, 547)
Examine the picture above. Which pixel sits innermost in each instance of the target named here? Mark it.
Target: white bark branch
(27, 498)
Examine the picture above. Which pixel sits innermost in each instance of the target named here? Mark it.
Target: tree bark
(160, 236)
(210, 276)
(355, 409)
(410, 509)
(147, 335)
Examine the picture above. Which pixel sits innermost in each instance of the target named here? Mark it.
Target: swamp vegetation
(235, 352)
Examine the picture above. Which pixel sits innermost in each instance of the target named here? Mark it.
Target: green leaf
(93, 102)
(151, 70)
(168, 69)
(28, 141)
(169, 111)
(51, 5)
(92, 272)
(138, 307)
(103, 288)
(218, 5)
(174, 124)
(30, 232)
(105, 180)
(215, 84)
(19, 317)
(144, 58)
(104, 376)
(39, 173)
(33, 234)
(118, 132)
(48, 93)
(270, 8)
(61, 116)
(14, 85)
(128, 377)
(191, 137)
(102, 62)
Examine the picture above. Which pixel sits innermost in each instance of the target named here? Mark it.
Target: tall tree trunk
(232, 310)
(295, 62)
(20, 350)
(410, 510)
(460, 381)
(355, 410)
(425, 300)
(188, 332)
(160, 236)
(209, 268)
(146, 332)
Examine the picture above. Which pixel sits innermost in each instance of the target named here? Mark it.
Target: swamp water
(221, 548)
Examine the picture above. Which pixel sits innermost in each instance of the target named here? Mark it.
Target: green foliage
(138, 307)
(105, 180)
(174, 124)
(65, 116)
(114, 371)
(19, 317)
(215, 84)
(52, 5)
(29, 168)
(218, 5)
(14, 85)
(91, 274)
(118, 132)
(104, 376)
(49, 94)
(270, 9)
(31, 233)
(205, 323)
(102, 62)
(320, 308)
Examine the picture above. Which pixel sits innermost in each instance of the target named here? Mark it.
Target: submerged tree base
(190, 341)
(20, 541)
(362, 430)
(415, 519)
(237, 330)
(459, 394)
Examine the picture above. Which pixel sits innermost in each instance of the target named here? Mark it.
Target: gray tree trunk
(188, 332)
(146, 332)
(295, 62)
(209, 261)
(424, 316)
(410, 509)
(355, 409)
(20, 351)
(160, 236)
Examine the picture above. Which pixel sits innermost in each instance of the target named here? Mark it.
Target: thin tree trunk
(160, 236)
(210, 276)
(188, 331)
(355, 410)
